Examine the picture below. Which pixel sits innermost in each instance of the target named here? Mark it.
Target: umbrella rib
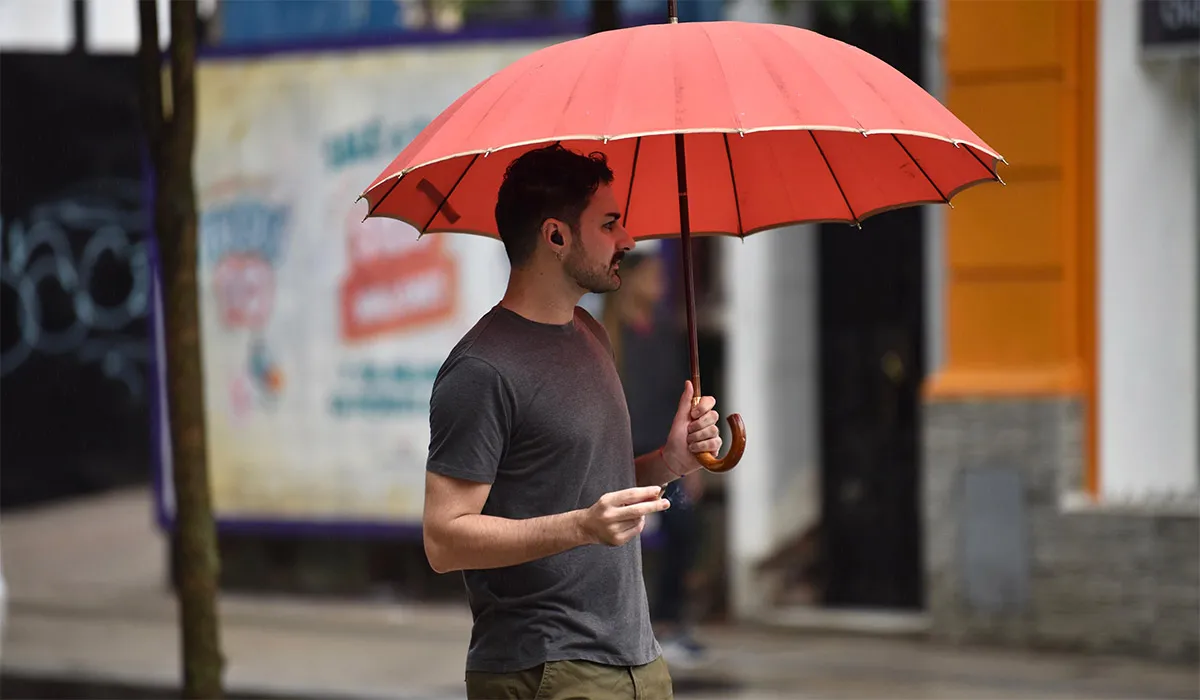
(835, 178)
(914, 160)
(985, 165)
(385, 196)
(737, 205)
(637, 147)
(451, 192)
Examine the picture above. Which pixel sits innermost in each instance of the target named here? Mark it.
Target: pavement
(89, 608)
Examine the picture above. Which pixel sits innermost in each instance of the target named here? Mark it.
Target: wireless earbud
(556, 238)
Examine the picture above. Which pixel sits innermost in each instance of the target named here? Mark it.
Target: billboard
(322, 333)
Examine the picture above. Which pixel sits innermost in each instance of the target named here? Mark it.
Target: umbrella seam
(817, 74)
(483, 117)
(979, 160)
(725, 80)
(449, 194)
(637, 147)
(575, 87)
(914, 162)
(832, 174)
(737, 205)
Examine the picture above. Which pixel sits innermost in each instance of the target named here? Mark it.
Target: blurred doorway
(871, 320)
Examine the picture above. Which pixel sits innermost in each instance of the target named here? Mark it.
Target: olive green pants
(574, 680)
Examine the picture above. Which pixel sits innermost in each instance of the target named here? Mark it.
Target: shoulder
(469, 364)
(597, 329)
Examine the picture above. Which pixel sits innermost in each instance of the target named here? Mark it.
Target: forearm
(488, 542)
(652, 469)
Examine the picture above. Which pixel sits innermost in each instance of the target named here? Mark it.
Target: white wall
(772, 380)
(1147, 241)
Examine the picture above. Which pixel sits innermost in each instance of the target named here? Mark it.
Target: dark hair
(547, 182)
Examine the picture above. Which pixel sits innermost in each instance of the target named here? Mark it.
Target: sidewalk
(87, 602)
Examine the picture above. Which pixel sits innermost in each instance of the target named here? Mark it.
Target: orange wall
(1020, 301)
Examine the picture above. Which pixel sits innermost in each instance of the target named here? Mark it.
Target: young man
(533, 489)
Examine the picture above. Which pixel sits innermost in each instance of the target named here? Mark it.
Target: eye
(610, 225)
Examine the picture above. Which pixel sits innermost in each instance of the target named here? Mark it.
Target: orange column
(1020, 259)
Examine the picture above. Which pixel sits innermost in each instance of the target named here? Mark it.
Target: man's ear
(555, 233)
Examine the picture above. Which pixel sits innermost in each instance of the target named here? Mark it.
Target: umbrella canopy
(746, 126)
(781, 125)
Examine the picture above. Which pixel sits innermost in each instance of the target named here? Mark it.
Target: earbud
(556, 238)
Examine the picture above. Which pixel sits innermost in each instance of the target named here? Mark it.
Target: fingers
(639, 510)
(685, 401)
(633, 529)
(708, 433)
(705, 420)
(706, 404)
(631, 504)
(638, 494)
(713, 446)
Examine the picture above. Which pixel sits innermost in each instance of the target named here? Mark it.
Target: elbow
(436, 553)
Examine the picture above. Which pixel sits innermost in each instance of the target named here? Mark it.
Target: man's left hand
(693, 431)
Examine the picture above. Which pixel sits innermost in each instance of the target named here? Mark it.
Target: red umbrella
(747, 126)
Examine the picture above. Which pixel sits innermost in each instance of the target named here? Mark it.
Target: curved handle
(737, 446)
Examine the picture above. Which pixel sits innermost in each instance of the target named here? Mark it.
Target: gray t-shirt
(538, 411)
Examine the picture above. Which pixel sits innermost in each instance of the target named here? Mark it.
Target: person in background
(651, 356)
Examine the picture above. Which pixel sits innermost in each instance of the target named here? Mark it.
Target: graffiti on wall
(76, 279)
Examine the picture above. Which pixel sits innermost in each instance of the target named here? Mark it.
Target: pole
(689, 285)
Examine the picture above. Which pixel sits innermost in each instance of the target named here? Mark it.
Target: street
(87, 604)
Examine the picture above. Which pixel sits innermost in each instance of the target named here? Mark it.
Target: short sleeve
(470, 413)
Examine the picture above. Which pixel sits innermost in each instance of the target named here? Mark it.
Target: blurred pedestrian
(651, 355)
(532, 486)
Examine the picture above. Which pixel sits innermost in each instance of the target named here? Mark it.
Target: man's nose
(627, 243)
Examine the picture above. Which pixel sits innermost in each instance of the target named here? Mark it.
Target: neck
(541, 296)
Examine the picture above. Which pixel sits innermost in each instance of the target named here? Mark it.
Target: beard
(597, 278)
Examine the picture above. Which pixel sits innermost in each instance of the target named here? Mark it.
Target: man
(533, 490)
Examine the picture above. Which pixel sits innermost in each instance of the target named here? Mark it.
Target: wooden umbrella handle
(737, 446)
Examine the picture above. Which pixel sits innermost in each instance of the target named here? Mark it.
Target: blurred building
(1022, 461)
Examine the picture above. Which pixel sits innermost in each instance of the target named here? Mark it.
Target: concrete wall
(1011, 560)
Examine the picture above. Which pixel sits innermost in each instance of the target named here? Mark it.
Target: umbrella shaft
(689, 286)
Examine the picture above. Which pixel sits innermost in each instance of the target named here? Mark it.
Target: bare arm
(653, 470)
(458, 536)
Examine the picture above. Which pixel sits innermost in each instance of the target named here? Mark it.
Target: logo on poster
(243, 234)
(394, 282)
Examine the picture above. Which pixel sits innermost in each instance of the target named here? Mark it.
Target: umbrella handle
(737, 446)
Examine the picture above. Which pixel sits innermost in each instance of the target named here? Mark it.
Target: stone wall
(1008, 562)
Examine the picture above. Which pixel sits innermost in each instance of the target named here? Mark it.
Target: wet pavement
(88, 605)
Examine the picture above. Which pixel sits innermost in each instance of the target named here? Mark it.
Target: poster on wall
(322, 332)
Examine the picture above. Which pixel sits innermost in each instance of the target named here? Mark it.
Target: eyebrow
(612, 216)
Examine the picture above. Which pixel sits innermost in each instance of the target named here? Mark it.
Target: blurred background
(974, 458)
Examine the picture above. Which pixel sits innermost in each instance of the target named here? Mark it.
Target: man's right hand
(619, 516)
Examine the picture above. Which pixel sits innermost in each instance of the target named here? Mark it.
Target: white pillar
(772, 380)
(1147, 242)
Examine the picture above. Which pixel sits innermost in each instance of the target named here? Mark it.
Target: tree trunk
(606, 16)
(171, 133)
